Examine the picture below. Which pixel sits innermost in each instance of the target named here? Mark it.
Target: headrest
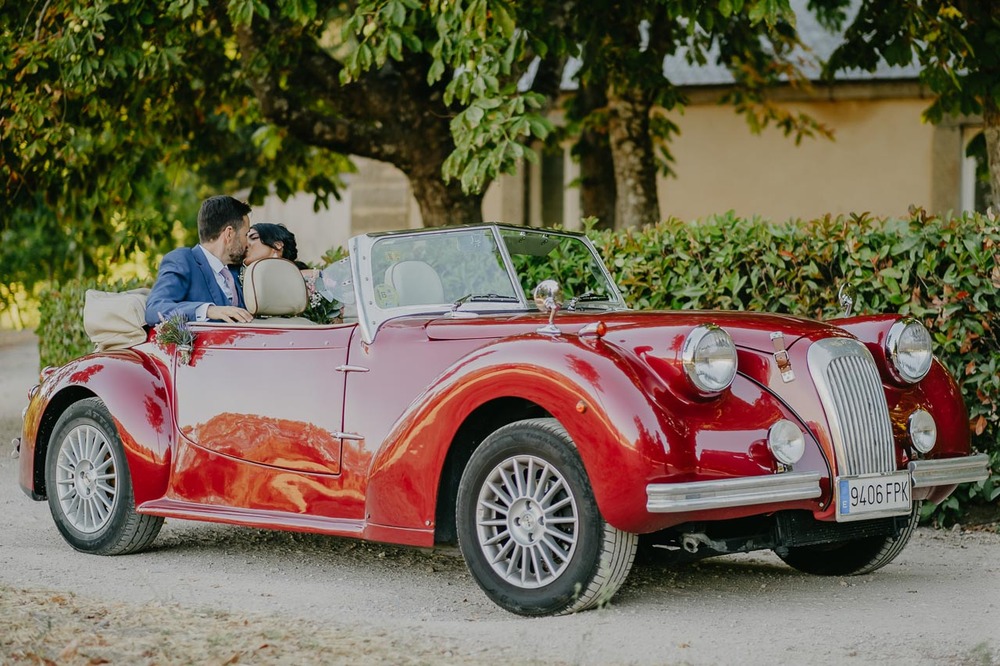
(415, 282)
(274, 287)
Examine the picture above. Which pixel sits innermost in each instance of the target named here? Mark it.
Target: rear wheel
(860, 556)
(529, 527)
(89, 487)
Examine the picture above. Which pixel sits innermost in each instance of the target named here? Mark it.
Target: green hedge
(945, 271)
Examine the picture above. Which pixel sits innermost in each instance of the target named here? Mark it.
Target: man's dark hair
(217, 213)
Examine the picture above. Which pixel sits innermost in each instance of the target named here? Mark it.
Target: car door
(261, 408)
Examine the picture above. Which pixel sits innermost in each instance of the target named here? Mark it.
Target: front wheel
(529, 527)
(850, 558)
(89, 486)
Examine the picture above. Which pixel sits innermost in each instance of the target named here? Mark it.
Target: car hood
(748, 330)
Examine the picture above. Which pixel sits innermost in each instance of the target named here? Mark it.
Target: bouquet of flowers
(323, 308)
(174, 331)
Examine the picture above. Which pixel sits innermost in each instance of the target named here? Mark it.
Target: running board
(270, 520)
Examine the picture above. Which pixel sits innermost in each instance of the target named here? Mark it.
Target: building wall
(315, 232)
(376, 198)
(881, 161)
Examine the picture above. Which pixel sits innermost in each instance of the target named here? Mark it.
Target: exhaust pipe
(691, 542)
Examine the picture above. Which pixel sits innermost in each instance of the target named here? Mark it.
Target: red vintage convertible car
(458, 401)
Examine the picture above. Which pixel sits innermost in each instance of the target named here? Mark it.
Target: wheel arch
(59, 403)
(478, 425)
(121, 381)
(593, 392)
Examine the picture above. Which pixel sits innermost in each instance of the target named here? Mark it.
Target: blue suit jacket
(184, 282)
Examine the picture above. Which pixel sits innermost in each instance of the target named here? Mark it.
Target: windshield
(539, 255)
(439, 268)
(463, 271)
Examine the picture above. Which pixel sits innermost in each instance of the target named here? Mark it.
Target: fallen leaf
(69, 651)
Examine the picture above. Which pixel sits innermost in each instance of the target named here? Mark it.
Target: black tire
(529, 527)
(89, 486)
(851, 558)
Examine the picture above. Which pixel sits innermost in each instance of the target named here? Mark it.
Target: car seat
(415, 283)
(275, 292)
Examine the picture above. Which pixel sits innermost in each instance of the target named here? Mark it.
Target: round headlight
(709, 358)
(908, 347)
(923, 431)
(786, 442)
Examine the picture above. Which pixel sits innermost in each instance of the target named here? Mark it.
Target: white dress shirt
(201, 314)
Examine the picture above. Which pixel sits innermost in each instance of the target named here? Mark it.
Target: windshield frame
(371, 316)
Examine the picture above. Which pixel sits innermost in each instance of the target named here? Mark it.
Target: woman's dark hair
(272, 234)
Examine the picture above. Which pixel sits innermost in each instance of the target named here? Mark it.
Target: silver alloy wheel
(527, 521)
(86, 479)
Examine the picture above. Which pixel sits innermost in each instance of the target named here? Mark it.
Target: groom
(197, 281)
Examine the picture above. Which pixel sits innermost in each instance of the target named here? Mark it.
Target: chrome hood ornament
(548, 298)
(845, 297)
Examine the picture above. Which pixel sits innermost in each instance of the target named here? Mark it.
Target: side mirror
(548, 298)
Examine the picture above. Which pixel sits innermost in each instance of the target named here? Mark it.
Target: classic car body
(460, 403)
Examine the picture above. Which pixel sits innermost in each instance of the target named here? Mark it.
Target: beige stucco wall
(315, 232)
(880, 160)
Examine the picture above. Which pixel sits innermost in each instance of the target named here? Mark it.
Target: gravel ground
(212, 594)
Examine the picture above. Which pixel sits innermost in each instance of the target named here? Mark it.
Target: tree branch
(382, 116)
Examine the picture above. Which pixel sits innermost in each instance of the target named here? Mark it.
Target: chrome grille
(851, 391)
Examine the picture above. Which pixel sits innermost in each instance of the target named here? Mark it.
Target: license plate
(861, 497)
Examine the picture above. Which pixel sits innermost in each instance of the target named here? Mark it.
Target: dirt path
(216, 594)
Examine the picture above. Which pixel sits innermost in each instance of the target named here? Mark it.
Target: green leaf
(395, 46)
(473, 116)
(503, 19)
(435, 71)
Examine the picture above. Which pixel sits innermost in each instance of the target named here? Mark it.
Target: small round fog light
(923, 430)
(786, 442)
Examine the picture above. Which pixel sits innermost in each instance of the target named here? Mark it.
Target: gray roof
(819, 41)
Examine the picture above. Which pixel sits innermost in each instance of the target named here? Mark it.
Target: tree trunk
(991, 130)
(444, 203)
(632, 150)
(597, 170)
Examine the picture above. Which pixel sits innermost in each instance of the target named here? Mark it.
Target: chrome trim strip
(348, 435)
(949, 471)
(726, 493)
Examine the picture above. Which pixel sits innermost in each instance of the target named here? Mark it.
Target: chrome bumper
(726, 493)
(747, 491)
(949, 471)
